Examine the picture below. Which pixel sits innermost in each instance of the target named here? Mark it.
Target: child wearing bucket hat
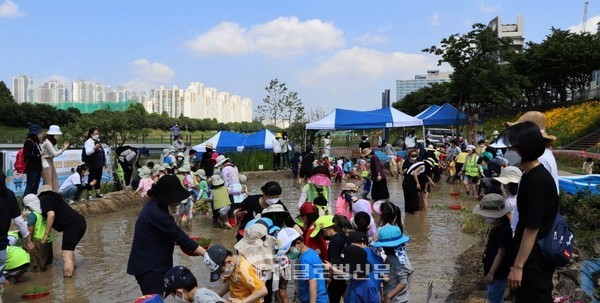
(496, 264)
(510, 177)
(146, 181)
(220, 202)
(396, 283)
(203, 201)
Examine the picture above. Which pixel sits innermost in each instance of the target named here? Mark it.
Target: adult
(547, 158)
(286, 149)
(254, 205)
(94, 158)
(388, 149)
(60, 216)
(422, 173)
(175, 131)
(206, 163)
(364, 143)
(531, 275)
(191, 159)
(379, 189)
(411, 140)
(409, 184)
(155, 236)
(178, 143)
(470, 171)
(10, 212)
(318, 191)
(327, 144)
(50, 152)
(277, 152)
(32, 153)
(128, 157)
(306, 167)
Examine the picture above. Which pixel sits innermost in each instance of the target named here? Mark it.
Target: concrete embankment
(113, 202)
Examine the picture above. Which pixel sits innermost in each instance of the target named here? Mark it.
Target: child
(588, 166)
(17, 263)
(240, 278)
(220, 202)
(285, 237)
(375, 261)
(313, 274)
(338, 172)
(244, 183)
(202, 204)
(510, 178)
(146, 182)
(183, 286)
(499, 240)
(360, 289)
(396, 282)
(72, 187)
(42, 254)
(365, 175)
(184, 209)
(347, 169)
(295, 164)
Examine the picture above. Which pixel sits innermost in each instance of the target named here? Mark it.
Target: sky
(333, 53)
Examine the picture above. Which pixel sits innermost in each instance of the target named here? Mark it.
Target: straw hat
(349, 186)
(209, 144)
(495, 133)
(536, 117)
(365, 152)
(492, 206)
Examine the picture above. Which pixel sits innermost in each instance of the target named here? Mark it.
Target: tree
(5, 94)
(292, 107)
(419, 100)
(273, 103)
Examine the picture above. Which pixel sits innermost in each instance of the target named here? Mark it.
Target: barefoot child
(496, 265)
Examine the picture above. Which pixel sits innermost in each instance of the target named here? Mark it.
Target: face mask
(490, 221)
(348, 197)
(413, 158)
(364, 141)
(294, 254)
(96, 137)
(272, 201)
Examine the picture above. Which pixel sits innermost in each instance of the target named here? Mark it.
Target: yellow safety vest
(471, 168)
(40, 228)
(313, 193)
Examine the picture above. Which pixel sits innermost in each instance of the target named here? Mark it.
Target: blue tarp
(444, 115)
(259, 140)
(344, 119)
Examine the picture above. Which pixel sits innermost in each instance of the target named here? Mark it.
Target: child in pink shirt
(146, 182)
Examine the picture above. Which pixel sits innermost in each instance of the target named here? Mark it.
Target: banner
(65, 165)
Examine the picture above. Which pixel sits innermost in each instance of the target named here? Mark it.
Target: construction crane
(585, 12)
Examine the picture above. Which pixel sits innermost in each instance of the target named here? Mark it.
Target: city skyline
(335, 54)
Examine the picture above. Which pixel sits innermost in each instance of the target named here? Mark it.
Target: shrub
(582, 211)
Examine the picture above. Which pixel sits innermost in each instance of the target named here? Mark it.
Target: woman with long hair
(409, 185)
(94, 158)
(537, 202)
(50, 152)
(32, 153)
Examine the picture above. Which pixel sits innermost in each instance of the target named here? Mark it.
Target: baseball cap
(308, 208)
(174, 277)
(322, 223)
(214, 258)
(285, 237)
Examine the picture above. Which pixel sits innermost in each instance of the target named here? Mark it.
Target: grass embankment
(568, 123)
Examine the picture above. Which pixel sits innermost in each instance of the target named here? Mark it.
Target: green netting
(87, 108)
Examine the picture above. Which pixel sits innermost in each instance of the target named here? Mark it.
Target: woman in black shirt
(537, 201)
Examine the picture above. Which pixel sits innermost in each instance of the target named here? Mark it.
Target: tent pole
(424, 136)
(302, 148)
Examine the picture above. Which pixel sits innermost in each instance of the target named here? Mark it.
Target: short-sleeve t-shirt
(310, 267)
(537, 202)
(64, 215)
(399, 274)
(74, 179)
(244, 280)
(336, 245)
(361, 291)
(316, 243)
(10, 210)
(500, 237)
(252, 205)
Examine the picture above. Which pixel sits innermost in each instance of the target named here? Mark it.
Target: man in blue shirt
(310, 273)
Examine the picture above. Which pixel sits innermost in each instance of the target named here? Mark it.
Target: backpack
(20, 162)
(84, 156)
(557, 244)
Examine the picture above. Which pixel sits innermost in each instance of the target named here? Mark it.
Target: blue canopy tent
(259, 140)
(344, 119)
(224, 142)
(430, 110)
(444, 115)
